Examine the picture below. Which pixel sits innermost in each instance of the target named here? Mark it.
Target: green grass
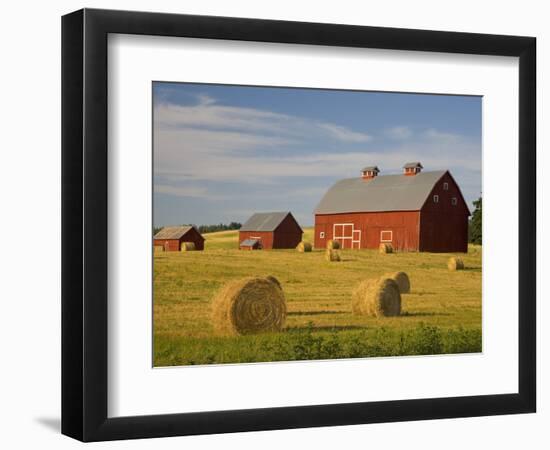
(442, 314)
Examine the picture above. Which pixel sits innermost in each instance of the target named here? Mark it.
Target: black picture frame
(84, 224)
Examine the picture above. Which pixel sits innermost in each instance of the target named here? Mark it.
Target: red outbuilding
(413, 211)
(171, 238)
(270, 230)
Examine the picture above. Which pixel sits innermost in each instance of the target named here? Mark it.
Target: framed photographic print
(273, 224)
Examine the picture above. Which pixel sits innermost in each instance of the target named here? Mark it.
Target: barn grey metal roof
(172, 232)
(382, 193)
(265, 221)
(412, 165)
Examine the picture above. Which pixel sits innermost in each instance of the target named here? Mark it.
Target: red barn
(414, 211)
(171, 238)
(270, 230)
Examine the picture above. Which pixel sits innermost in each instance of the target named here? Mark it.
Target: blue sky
(222, 152)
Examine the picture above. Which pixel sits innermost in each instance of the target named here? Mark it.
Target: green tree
(475, 224)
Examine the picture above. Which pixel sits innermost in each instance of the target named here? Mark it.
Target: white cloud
(208, 114)
(180, 191)
(345, 134)
(208, 142)
(399, 132)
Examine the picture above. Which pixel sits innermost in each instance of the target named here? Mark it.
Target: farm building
(413, 211)
(171, 238)
(270, 230)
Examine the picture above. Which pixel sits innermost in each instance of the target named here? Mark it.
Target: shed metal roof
(172, 232)
(268, 221)
(249, 242)
(382, 193)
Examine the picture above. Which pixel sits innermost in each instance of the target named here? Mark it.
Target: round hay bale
(304, 246)
(187, 246)
(455, 263)
(332, 255)
(377, 298)
(333, 245)
(402, 280)
(249, 306)
(385, 248)
(273, 280)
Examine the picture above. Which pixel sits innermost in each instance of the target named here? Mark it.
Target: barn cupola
(412, 168)
(368, 173)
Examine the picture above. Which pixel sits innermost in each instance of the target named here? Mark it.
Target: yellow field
(318, 297)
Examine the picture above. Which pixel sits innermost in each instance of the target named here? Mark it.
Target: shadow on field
(326, 328)
(423, 314)
(314, 313)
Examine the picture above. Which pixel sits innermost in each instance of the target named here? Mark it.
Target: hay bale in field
(377, 298)
(249, 306)
(402, 280)
(332, 255)
(333, 245)
(187, 247)
(304, 246)
(385, 248)
(159, 248)
(273, 280)
(455, 263)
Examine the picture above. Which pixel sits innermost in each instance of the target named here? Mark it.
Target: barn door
(346, 235)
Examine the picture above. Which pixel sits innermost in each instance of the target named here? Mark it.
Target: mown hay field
(441, 314)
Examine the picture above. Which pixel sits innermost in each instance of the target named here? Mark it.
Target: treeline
(474, 227)
(208, 228)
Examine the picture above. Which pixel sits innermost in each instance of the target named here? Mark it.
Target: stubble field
(442, 314)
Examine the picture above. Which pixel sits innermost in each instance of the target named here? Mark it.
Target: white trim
(321, 234)
(445, 186)
(436, 198)
(356, 241)
(343, 238)
(454, 201)
(386, 231)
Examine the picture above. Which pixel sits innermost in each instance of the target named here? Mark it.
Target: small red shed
(417, 211)
(272, 230)
(171, 238)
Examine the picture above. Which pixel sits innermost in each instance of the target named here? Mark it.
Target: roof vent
(369, 172)
(412, 168)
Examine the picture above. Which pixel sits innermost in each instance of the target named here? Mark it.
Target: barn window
(445, 186)
(322, 235)
(436, 198)
(386, 236)
(454, 201)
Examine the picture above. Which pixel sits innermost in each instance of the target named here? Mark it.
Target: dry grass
(304, 247)
(317, 294)
(377, 298)
(249, 306)
(455, 263)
